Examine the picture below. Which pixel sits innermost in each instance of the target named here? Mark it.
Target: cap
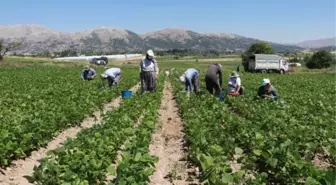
(234, 74)
(265, 81)
(150, 53)
(103, 75)
(182, 78)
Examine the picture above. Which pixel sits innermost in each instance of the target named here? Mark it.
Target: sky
(282, 21)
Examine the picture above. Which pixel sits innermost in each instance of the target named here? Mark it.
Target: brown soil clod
(320, 161)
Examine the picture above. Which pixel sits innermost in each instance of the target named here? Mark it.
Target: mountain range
(319, 43)
(37, 39)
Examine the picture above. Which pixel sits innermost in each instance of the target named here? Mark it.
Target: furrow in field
(168, 144)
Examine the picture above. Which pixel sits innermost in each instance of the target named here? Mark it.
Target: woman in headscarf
(149, 71)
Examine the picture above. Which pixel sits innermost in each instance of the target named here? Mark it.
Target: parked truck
(267, 63)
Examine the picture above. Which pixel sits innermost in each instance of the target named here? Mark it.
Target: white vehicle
(99, 61)
(267, 63)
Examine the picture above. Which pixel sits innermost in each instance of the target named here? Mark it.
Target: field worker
(266, 90)
(149, 71)
(112, 75)
(190, 79)
(88, 73)
(234, 85)
(212, 82)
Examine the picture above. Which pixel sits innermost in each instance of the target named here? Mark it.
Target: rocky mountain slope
(38, 39)
(320, 43)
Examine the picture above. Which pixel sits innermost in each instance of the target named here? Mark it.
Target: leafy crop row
(267, 149)
(136, 164)
(293, 133)
(37, 103)
(88, 158)
(209, 147)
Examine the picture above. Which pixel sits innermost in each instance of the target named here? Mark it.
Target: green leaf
(257, 152)
(272, 161)
(238, 151)
(330, 177)
(227, 178)
(216, 148)
(240, 174)
(111, 170)
(149, 171)
(97, 134)
(122, 166)
(137, 156)
(259, 136)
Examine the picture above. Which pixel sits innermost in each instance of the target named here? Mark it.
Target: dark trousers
(211, 85)
(194, 82)
(113, 80)
(148, 82)
(241, 90)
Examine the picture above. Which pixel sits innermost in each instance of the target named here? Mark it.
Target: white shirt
(235, 81)
(113, 72)
(149, 65)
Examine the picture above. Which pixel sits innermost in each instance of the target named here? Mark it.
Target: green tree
(306, 58)
(320, 59)
(294, 60)
(5, 47)
(256, 48)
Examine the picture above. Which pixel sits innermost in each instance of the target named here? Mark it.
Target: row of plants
(37, 103)
(295, 130)
(266, 149)
(88, 158)
(205, 121)
(136, 164)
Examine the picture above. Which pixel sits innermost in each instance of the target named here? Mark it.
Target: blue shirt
(191, 73)
(88, 73)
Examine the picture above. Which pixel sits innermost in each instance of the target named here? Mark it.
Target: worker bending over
(149, 71)
(266, 90)
(190, 79)
(88, 73)
(213, 82)
(234, 85)
(112, 75)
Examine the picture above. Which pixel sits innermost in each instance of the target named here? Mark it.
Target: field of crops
(88, 158)
(241, 140)
(253, 141)
(38, 102)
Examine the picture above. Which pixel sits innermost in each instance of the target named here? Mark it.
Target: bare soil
(15, 174)
(320, 161)
(167, 144)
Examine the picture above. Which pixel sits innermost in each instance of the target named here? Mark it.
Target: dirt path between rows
(15, 174)
(167, 144)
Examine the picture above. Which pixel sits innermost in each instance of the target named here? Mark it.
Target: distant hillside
(311, 44)
(327, 48)
(37, 39)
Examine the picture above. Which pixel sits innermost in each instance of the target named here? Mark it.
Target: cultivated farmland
(241, 140)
